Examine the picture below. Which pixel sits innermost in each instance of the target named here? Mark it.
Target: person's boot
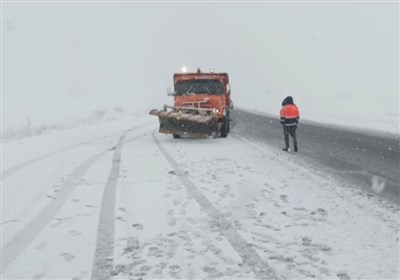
(295, 148)
(287, 149)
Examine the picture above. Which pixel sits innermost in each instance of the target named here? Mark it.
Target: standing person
(289, 119)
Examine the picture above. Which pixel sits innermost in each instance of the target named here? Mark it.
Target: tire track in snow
(16, 168)
(249, 256)
(103, 259)
(35, 226)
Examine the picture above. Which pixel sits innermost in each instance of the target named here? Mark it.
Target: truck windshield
(191, 87)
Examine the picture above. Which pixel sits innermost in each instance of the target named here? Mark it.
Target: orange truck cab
(202, 104)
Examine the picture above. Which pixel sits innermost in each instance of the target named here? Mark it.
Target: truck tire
(224, 127)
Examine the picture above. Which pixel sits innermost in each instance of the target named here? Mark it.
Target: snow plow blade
(191, 122)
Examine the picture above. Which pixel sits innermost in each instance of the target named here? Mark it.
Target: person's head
(287, 100)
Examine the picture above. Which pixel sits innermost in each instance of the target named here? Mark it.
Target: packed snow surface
(182, 208)
(89, 192)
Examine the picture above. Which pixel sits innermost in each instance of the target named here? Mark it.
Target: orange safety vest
(290, 111)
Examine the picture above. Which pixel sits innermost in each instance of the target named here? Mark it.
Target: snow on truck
(202, 104)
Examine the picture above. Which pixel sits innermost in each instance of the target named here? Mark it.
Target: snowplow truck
(202, 104)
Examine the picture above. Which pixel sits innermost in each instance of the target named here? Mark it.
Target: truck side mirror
(228, 89)
(170, 92)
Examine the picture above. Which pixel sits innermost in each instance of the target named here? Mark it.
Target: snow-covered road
(368, 160)
(118, 200)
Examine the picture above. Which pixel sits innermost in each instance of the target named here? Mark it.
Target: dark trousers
(292, 131)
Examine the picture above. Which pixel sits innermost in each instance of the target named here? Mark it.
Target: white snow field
(115, 197)
(94, 193)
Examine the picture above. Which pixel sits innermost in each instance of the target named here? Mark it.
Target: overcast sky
(61, 56)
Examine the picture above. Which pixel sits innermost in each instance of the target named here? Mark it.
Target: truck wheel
(228, 121)
(176, 136)
(224, 127)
